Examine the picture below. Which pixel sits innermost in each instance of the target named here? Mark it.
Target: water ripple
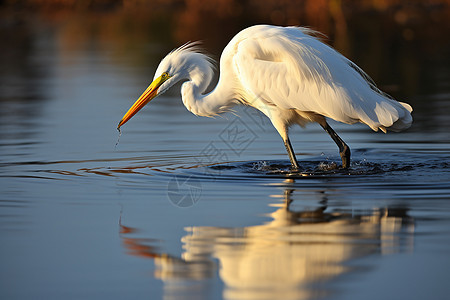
(366, 163)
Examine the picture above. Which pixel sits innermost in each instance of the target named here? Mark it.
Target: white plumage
(288, 74)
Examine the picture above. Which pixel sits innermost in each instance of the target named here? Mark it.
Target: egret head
(184, 63)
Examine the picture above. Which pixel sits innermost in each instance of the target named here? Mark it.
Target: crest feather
(194, 48)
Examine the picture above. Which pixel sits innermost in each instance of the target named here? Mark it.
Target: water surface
(195, 208)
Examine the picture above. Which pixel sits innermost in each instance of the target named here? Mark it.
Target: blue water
(186, 207)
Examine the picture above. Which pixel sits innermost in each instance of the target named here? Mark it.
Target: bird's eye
(165, 75)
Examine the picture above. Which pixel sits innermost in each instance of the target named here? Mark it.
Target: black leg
(344, 150)
(290, 151)
(287, 198)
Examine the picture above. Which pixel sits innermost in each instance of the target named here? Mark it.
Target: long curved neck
(218, 101)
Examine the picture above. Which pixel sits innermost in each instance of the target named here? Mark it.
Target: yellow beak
(150, 93)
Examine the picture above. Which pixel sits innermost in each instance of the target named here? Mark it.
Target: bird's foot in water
(345, 165)
(287, 171)
(294, 168)
(345, 156)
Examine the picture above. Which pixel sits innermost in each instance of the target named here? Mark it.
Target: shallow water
(195, 208)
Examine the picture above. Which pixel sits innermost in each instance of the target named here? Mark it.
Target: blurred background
(403, 45)
(400, 43)
(69, 70)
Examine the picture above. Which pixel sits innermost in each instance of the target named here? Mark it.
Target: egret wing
(293, 70)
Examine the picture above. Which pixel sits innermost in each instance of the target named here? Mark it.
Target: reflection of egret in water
(283, 258)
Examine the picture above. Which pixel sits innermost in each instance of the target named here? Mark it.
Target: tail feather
(407, 106)
(404, 121)
(393, 116)
(389, 114)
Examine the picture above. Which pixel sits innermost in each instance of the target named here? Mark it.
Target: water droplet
(118, 138)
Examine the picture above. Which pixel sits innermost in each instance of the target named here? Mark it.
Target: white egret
(289, 75)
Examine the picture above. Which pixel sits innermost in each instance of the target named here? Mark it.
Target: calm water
(186, 207)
